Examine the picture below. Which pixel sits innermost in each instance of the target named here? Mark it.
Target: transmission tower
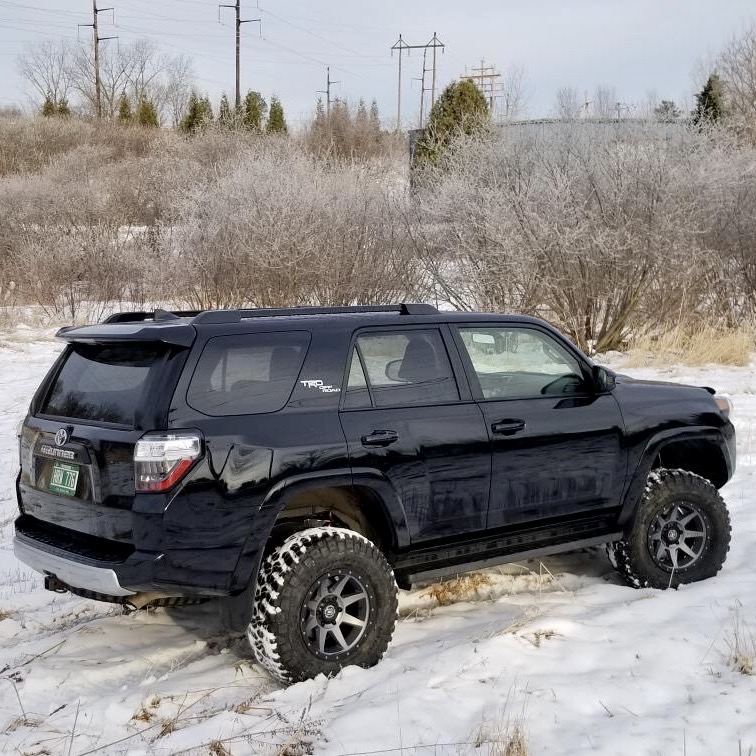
(239, 21)
(400, 46)
(97, 39)
(485, 77)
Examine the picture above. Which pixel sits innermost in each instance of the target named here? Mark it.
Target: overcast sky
(635, 46)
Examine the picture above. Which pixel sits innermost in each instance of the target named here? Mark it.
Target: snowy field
(581, 662)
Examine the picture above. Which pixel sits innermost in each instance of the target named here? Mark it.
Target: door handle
(508, 427)
(380, 438)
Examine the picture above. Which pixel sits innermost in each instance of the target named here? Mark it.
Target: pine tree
(461, 108)
(667, 111)
(320, 114)
(48, 107)
(709, 107)
(206, 108)
(199, 113)
(375, 120)
(147, 113)
(255, 108)
(124, 109)
(63, 110)
(225, 118)
(276, 119)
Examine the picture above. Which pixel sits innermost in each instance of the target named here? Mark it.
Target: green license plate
(64, 479)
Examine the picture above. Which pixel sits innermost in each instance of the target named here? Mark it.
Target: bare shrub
(600, 227)
(741, 644)
(736, 66)
(282, 228)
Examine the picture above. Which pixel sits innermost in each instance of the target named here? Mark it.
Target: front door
(405, 417)
(556, 443)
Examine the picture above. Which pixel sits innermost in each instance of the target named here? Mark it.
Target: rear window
(102, 383)
(247, 375)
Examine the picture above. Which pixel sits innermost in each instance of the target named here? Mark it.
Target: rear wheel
(325, 598)
(681, 533)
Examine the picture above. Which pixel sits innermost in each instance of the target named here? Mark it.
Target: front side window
(517, 363)
(402, 368)
(247, 374)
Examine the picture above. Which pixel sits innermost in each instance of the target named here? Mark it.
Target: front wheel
(324, 599)
(680, 534)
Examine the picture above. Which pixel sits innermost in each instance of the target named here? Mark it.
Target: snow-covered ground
(582, 662)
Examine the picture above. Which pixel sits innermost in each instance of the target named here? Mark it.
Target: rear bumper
(81, 575)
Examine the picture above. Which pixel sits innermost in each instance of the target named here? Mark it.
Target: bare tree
(736, 66)
(46, 69)
(605, 102)
(173, 91)
(513, 94)
(568, 105)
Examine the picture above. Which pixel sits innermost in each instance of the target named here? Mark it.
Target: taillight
(162, 460)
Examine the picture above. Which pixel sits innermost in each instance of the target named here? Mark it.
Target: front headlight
(724, 404)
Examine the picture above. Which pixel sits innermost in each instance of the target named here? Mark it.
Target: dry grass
(217, 748)
(742, 646)
(687, 345)
(4, 615)
(462, 588)
(506, 738)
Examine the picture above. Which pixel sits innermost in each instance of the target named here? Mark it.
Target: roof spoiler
(182, 335)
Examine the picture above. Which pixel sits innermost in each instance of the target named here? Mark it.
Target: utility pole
(327, 90)
(239, 21)
(400, 45)
(97, 39)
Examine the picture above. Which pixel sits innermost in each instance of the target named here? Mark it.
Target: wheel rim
(676, 536)
(334, 614)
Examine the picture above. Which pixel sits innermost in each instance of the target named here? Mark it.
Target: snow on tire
(680, 533)
(325, 598)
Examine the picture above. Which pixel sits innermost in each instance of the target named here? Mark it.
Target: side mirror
(603, 379)
(392, 370)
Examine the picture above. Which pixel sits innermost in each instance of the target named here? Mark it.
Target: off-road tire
(632, 557)
(283, 583)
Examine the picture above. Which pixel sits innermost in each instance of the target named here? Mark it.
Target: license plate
(64, 479)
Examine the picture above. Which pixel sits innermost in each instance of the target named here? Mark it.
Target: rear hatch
(77, 444)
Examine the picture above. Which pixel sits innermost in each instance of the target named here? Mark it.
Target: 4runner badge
(318, 384)
(61, 437)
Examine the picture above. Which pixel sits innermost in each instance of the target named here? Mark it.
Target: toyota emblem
(61, 437)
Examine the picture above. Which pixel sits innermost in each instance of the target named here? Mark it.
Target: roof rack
(157, 315)
(234, 316)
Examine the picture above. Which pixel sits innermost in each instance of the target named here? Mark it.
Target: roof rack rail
(157, 315)
(234, 316)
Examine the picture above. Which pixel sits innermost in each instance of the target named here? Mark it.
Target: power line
(239, 21)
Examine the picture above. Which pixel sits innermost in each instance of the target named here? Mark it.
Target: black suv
(301, 463)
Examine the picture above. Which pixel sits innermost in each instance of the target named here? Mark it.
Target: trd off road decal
(326, 388)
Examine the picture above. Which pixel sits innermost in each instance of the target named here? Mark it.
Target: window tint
(102, 383)
(521, 362)
(245, 375)
(407, 367)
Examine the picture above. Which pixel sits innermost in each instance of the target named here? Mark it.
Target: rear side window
(402, 368)
(247, 374)
(102, 383)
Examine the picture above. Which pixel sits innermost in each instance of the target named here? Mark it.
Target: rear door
(77, 468)
(404, 414)
(556, 443)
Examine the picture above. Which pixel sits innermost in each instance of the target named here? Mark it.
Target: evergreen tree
(375, 120)
(320, 114)
(125, 114)
(147, 113)
(276, 119)
(63, 109)
(667, 111)
(255, 108)
(199, 113)
(48, 107)
(225, 118)
(461, 108)
(709, 108)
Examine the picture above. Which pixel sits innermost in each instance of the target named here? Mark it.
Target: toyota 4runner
(301, 463)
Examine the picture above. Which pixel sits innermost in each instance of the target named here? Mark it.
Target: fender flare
(637, 483)
(276, 499)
